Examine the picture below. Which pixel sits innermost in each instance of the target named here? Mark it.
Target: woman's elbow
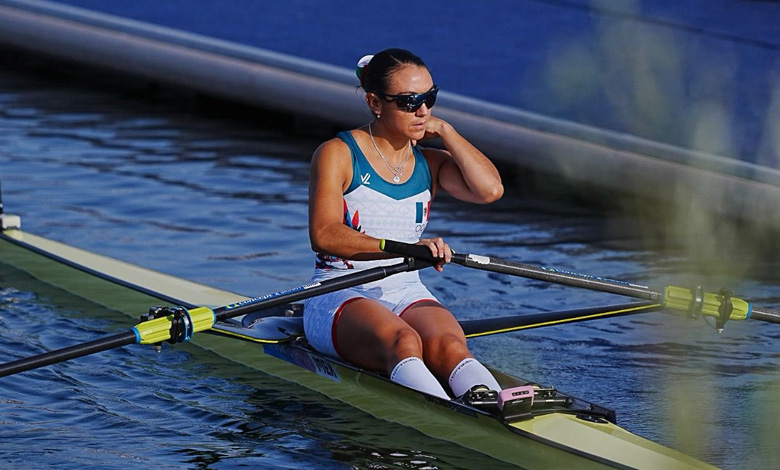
(493, 194)
(316, 240)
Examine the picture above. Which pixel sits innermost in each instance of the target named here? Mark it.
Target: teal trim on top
(361, 168)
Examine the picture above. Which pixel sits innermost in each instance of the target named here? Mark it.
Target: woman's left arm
(462, 170)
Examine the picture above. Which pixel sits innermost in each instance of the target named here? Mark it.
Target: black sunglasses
(411, 103)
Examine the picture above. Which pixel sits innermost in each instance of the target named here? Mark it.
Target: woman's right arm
(331, 172)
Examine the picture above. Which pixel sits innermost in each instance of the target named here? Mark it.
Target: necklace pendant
(397, 179)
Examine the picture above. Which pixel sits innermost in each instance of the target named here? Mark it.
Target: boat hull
(552, 440)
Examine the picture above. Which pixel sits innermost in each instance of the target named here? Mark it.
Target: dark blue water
(166, 182)
(700, 74)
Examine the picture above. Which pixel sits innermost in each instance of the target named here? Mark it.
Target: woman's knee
(445, 349)
(406, 343)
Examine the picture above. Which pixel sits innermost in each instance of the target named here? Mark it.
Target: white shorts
(321, 313)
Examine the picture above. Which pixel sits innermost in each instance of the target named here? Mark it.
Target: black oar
(178, 324)
(721, 305)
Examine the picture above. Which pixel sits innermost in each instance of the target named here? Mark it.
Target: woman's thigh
(371, 336)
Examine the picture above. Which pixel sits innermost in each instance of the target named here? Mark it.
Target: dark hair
(375, 76)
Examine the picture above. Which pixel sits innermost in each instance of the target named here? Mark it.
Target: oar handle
(418, 252)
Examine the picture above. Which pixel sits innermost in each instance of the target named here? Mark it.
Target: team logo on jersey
(364, 179)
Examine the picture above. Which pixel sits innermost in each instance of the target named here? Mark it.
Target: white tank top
(380, 209)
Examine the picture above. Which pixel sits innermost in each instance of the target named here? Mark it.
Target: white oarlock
(10, 221)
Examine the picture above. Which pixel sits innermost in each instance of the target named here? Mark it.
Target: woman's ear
(372, 101)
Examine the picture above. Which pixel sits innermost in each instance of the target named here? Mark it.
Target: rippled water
(218, 195)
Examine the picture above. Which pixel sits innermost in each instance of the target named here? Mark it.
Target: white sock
(469, 373)
(413, 373)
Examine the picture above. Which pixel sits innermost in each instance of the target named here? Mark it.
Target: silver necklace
(397, 171)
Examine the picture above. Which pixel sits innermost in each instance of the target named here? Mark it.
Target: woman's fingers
(439, 249)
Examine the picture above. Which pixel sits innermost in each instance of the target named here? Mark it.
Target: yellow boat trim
(565, 320)
(220, 331)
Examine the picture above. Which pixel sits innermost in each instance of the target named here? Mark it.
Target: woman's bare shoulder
(332, 150)
(332, 162)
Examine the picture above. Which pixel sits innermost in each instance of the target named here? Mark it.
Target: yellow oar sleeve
(683, 299)
(159, 329)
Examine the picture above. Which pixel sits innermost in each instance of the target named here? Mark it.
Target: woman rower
(374, 183)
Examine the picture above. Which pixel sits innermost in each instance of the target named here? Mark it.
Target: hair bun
(360, 70)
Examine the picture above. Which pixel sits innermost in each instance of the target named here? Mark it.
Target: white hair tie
(361, 67)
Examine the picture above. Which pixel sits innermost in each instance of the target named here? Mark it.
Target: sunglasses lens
(430, 100)
(412, 103)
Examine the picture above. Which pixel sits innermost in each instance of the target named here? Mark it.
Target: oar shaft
(765, 314)
(314, 289)
(161, 328)
(720, 305)
(486, 263)
(609, 285)
(64, 354)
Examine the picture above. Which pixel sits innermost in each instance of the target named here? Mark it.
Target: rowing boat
(558, 431)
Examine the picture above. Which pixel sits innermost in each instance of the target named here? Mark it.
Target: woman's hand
(434, 128)
(439, 249)
(460, 168)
